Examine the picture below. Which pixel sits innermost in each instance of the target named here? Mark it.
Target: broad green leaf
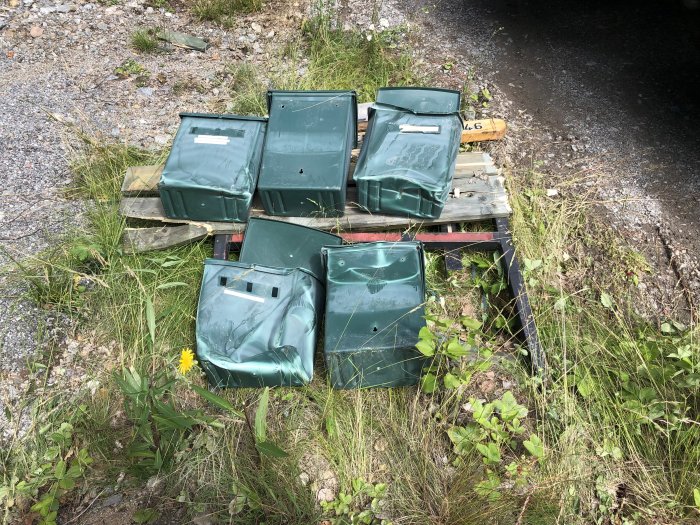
(534, 446)
(455, 349)
(261, 416)
(451, 381)
(470, 323)
(666, 328)
(491, 452)
(696, 497)
(60, 470)
(216, 400)
(151, 319)
(426, 334)
(606, 300)
(428, 383)
(67, 483)
(270, 449)
(427, 348)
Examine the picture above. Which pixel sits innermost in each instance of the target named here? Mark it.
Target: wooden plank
(483, 129)
(138, 240)
(485, 199)
(143, 180)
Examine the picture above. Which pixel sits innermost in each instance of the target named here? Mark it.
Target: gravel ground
(57, 63)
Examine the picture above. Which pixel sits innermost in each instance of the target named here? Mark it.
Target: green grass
(223, 11)
(337, 59)
(144, 40)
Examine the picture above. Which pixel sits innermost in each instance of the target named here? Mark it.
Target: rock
(113, 500)
(112, 10)
(161, 139)
(325, 495)
(256, 27)
(304, 478)
(36, 32)
(145, 91)
(383, 22)
(270, 34)
(63, 8)
(46, 10)
(102, 26)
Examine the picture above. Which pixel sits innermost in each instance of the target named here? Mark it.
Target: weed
(224, 11)
(60, 468)
(130, 68)
(144, 40)
(247, 91)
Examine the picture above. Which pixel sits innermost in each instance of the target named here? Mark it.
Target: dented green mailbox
(258, 319)
(408, 156)
(306, 157)
(212, 169)
(375, 294)
(257, 325)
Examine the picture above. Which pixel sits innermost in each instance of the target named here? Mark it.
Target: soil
(608, 88)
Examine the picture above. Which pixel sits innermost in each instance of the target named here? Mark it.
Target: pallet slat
(485, 199)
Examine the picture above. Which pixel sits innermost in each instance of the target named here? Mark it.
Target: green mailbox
(286, 245)
(257, 325)
(375, 296)
(306, 156)
(409, 153)
(212, 169)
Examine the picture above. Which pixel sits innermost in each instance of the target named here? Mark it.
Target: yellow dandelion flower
(186, 360)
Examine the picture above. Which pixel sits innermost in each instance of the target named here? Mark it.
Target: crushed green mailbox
(409, 153)
(257, 325)
(286, 245)
(212, 169)
(306, 156)
(375, 295)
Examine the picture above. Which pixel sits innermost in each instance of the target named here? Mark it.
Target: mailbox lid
(286, 245)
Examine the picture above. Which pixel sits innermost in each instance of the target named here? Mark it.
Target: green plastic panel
(375, 294)
(257, 326)
(407, 161)
(212, 169)
(421, 100)
(285, 245)
(306, 157)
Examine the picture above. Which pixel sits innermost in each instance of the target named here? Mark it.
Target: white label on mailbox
(411, 128)
(220, 140)
(255, 298)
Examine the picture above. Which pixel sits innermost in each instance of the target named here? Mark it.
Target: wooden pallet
(478, 193)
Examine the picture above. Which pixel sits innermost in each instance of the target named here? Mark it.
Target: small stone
(113, 500)
(256, 27)
(161, 139)
(46, 10)
(102, 26)
(270, 34)
(325, 495)
(383, 22)
(551, 192)
(304, 478)
(63, 8)
(145, 91)
(36, 32)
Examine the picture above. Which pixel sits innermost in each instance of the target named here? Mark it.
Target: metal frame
(452, 242)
